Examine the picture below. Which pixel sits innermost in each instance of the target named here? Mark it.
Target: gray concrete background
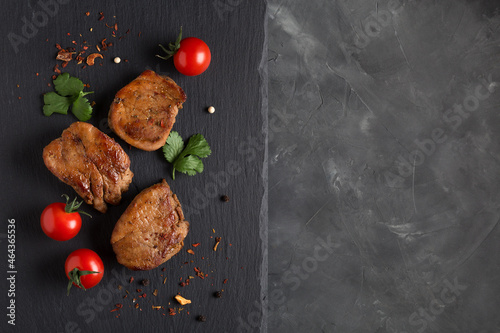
(384, 166)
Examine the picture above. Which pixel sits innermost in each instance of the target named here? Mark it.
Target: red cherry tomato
(84, 269)
(62, 221)
(193, 56)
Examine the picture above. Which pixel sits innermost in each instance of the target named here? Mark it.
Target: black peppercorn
(202, 318)
(145, 282)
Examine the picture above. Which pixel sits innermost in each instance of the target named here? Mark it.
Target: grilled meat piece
(151, 230)
(91, 162)
(143, 112)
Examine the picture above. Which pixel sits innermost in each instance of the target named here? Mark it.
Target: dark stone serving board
(235, 84)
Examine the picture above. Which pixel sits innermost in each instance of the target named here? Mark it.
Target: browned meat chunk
(151, 230)
(143, 112)
(91, 162)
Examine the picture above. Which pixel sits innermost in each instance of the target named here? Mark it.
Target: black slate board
(234, 83)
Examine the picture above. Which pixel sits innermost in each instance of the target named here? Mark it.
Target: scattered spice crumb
(139, 290)
(190, 251)
(217, 241)
(202, 318)
(145, 282)
(225, 281)
(182, 300)
(165, 280)
(155, 292)
(156, 307)
(171, 312)
(136, 305)
(195, 244)
(87, 13)
(225, 198)
(131, 279)
(218, 294)
(91, 58)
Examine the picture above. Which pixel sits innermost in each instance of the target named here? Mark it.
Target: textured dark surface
(234, 84)
(384, 195)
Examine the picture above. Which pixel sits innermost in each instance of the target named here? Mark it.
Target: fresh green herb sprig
(69, 92)
(186, 160)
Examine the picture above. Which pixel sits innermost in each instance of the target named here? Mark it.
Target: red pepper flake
(195, 244)
(64, 64)
(56, 69)
(74, 42)
(19, 97)
(139, 34)
(225, 281)
(58, 47)
(128, 30)
(68, 34)
(84, 66)
(101, 17)
(136, 306)
(54, 76)
(131, 279)
(163, 269)
(143, 295)
(116, 26)
(171, 312)
(139, 290)
(87, 13)
(85, 47)
(118, 306)
(190, 251)
(37, 74)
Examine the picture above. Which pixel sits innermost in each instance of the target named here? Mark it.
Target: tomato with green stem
(191, 55)
(62, 221)
(84, 269)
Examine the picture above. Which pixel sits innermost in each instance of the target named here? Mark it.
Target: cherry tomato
(193, 56)
(61, 221)
(84, 269)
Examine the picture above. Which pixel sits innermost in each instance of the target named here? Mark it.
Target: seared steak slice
(91, 162)
(151, 230)
(143, 112)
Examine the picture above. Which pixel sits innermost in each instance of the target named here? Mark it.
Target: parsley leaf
(55, 103)
(186, 160)
(69, 92)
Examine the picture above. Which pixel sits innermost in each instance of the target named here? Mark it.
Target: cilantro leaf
(186, 160)
(69, 93)
(189, 165)
(67, 85)
(55, 103)
(81, 108)
(197, 145)
(173, 147)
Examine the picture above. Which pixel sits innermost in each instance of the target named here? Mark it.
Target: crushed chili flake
(131, 279)
(171, 312)
(136, 305)
(54, 76)
(120, 287)
(68, 34)
(190, 251)
(116, 26)
(155, 292)
(139, 290)
(163, 269)
(56, 69)
(87, 13)
(217, 241)
(58, 46)
(101, 17)
(225, 281)
(195, 244)
(64, 64)
(128, 30)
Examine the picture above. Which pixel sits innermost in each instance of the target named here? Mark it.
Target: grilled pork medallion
(91, 162)
(151, 230)
(143, 112)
